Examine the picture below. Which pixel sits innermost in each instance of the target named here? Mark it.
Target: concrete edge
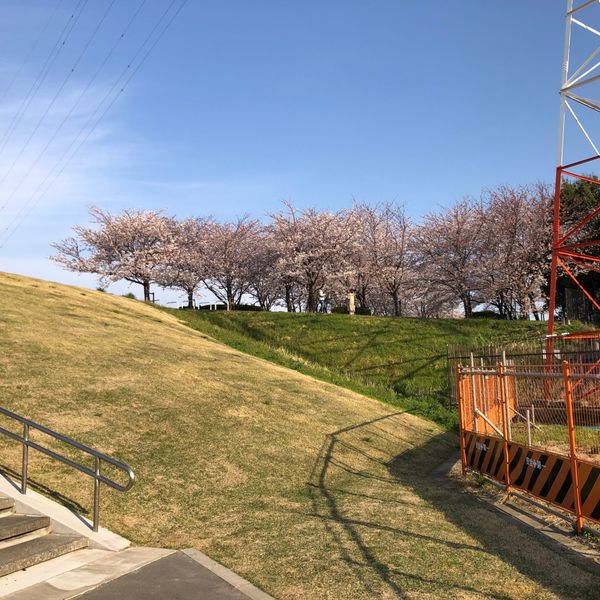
(62, 519)
(227, 575)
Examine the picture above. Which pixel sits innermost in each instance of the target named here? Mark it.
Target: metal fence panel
(534, 424)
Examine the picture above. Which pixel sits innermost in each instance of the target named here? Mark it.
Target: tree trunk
(146, 285)
(361, 296)
(534, 310)
(190, 299)
(500, 305)
(467, 305)
(289, 301)
(397, 306)
(230, 298)
(311, 301)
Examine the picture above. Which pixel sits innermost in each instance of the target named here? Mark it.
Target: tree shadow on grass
(353, 519)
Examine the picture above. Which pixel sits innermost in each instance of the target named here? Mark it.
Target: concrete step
(32, 552)
(7, 505)
(13, 526)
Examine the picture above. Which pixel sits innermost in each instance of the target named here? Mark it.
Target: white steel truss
(575, 83)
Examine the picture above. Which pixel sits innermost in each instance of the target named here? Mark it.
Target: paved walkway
(187, 575)
(133, 574)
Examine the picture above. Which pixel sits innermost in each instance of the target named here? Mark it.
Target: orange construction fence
(535, 428)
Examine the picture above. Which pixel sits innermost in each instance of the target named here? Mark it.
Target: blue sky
(243, 104)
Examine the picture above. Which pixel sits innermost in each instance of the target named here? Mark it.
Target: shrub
(248, 307)
(485, 314)
(343, 310)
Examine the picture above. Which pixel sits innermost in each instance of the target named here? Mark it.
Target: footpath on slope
(185, 575)
(102, 564)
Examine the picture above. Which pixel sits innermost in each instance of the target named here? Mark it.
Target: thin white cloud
(37, 167)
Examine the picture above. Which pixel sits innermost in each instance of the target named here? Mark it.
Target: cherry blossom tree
(449, 245)
(130, 246)
(359, 274)
(493, 251)
(184, 265)
(229, 259)
(313, 249)
(431, 301)
(517, 235)
(386, 260)
(265, 283)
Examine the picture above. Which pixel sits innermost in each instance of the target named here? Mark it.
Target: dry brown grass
(308, 490)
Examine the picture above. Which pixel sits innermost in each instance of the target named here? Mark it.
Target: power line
(30, 52)
(31, 203)
(58, 93)
(39, 80)
(74, 106)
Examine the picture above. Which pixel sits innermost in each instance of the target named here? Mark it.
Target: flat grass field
(309, 490)
(399, 361)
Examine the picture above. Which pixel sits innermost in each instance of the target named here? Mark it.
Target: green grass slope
(399, 361)
(309, 490)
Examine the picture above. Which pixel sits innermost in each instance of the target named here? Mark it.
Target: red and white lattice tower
(578, 146)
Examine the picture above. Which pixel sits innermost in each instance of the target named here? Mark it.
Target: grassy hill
(399, 361)
(307, 489)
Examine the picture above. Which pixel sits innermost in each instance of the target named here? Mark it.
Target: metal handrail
(95, 473)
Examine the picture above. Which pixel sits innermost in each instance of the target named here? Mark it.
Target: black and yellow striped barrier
(540, 473)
